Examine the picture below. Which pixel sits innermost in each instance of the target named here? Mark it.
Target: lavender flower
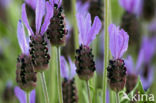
(84, 57)
(25, 75)
(21, 95)
(116, 70)
(57, 31)
(132, 6)
(69, 89)
(118, 41)
(38, 44)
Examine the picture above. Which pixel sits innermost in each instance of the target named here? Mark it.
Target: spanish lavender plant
(84, 57)
(21, 95)
(25, 74)
(116, 70)
(87, 33)
(69, 90)
(38, 44)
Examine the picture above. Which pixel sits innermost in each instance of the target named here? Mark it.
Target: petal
(25, 19)
(95, 29)
(81, 27)
(49, 15)
(32, 3)
(118, 41)
(20, 94)
(88, 22)
(21, 38)
(32, 96)
(64, 67)
(40, 11)
(112, 39)
(82, 8)
(124, 43)
(72, 68)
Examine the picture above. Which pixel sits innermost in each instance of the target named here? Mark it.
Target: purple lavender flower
(21, 95)
(132, 6)
(25, 75)
(68, 71)
(69, 89)
(39, 53)
(118, 41)
(57, 31)
(40, 12)
(87, 33)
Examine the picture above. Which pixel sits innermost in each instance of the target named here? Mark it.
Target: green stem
(59, 76)
(106, 44)
(44, 86)
(75, 23)
(27, 97)
(88, 91)
(117, 98)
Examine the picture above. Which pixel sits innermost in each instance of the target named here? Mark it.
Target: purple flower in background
(68, 71)
(21, 95)
(148, 47)
(118, 41)
(132, 6)
(87, 32)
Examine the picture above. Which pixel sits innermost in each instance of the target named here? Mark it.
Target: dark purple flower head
(118, 41)
(40, 12)
(22, 38)
(132, 6)
(87, 32)
(68, 71)
(21, 95)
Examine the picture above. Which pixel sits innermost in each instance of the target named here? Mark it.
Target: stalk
(27, 95)
(44, 86)
(75, 23)
(106, 46)
(59, 76)
(117, 98)
(88, 91)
